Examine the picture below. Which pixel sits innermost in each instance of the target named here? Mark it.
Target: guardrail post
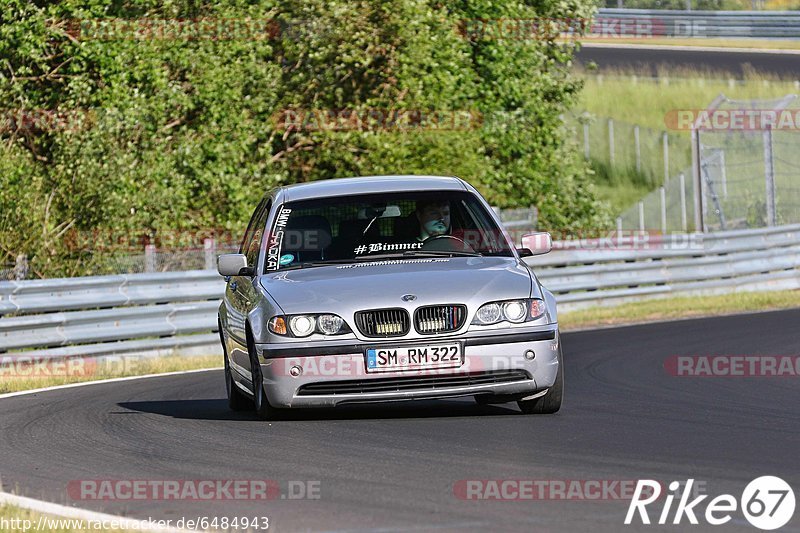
(21, 267)
(210, 250)
(641, 216)
(663, 193)
(684, 222)
(637, 147)
(150, 258)
(611, 142)
(769, 177)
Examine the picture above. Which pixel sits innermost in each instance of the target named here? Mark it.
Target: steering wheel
(446, 243)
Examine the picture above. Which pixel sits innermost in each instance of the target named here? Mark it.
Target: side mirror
(524, 252)
(233, 265)
(536, 243)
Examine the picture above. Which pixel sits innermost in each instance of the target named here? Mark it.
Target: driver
(434, 218)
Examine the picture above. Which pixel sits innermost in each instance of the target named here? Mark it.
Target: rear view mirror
(388, 211)
(537, 243)
(233, 265)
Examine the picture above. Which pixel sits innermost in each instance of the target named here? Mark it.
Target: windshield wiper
(440, 253)
(306, 264)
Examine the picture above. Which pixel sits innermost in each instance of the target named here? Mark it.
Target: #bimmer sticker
(286, 259)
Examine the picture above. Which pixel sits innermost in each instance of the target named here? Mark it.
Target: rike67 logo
(767, 503)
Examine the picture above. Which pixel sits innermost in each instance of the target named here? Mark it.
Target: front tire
(237, 400)
(264, 410)
(551, 402)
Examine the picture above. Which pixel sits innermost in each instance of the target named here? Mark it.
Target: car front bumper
(324, 375)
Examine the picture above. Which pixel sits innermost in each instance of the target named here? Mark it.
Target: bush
(163, 135)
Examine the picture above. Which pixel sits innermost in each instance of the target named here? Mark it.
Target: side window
(251, 227)
(254, 244)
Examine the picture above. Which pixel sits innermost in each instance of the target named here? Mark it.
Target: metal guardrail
(175, 312)
(676, 23)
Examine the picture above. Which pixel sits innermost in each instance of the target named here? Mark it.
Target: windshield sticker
(386, 247)
(286, 259)
(393, 262)
(276, 239)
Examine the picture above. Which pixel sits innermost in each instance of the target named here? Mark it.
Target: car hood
(345, 289)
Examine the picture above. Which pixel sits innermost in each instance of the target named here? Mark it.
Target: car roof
(369, 185)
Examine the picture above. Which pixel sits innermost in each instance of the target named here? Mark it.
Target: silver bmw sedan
(385, 288)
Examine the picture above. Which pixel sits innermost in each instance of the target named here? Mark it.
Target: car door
(240, 292)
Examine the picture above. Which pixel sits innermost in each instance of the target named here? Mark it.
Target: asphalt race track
(647, 62)
(393, 468)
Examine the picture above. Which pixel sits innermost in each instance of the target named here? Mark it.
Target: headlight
(302, 325)
(516, 311)
(488, 314)
(305, 325)
(330, 324)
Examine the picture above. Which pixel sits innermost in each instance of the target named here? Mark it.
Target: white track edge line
(76, 513)
(101, 381)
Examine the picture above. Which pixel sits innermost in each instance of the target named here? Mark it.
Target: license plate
(414, 357)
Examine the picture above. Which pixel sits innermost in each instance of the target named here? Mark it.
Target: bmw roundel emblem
(408, 298)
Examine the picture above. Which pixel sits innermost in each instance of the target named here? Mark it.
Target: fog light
(295, 371)
(529, 355)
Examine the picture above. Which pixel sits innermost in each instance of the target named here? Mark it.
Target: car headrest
(354, 229)
(307, 232)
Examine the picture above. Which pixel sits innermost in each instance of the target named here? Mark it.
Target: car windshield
(382, 226)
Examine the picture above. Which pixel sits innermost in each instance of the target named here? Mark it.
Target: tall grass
(644, 101)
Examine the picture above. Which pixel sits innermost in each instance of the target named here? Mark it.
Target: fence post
(619, 230)
(611, 142)
(684, 222)
(150, 258)
(698, 190)
(210, 250)
(663, 193)
(769, 177)
(638, 148)
(586, 140)
(665, 140)
(534, 217)
(21, 267)
(641, 216)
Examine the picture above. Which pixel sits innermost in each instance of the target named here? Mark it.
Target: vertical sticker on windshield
(276, 239)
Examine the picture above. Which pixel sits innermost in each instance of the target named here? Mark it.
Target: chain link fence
(750, 177)
(630, 151)
(747, 175)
